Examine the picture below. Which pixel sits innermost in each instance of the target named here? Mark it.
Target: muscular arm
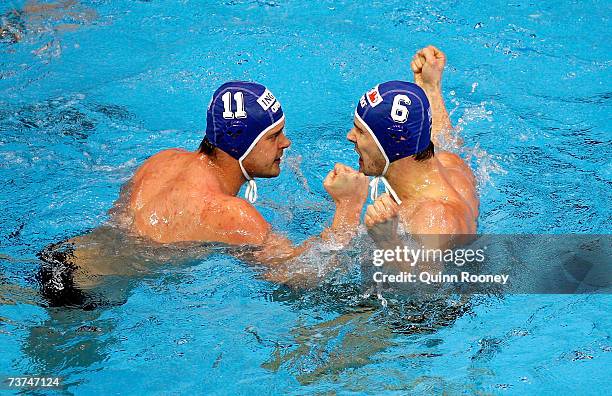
(439, 225)
(441, 123)
(243, 225)
(277, 252)
(428, 65)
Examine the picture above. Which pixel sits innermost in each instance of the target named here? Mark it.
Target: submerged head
(245, 120)
(392, 121)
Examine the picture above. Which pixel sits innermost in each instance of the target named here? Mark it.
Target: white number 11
(227, 105)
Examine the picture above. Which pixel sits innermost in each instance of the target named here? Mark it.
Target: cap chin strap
(251, 190)
(374, 189)
(375, 181)
(388, 189)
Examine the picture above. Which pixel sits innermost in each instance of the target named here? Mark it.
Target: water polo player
(182, 196)
(395, 134)
(178, 195)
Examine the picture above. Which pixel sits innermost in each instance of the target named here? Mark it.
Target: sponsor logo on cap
(362, 101)
(374, 97)
(266, 100)
(275, 106)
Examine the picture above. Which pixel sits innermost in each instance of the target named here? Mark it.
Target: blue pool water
(94, 88)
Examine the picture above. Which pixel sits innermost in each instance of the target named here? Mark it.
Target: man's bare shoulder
(164, 159)
(461, 178)
(232, 220)
(163, 156)
(442, 217)
(457, 167)
(452, 160)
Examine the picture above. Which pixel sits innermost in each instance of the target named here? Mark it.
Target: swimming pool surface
(94, 88)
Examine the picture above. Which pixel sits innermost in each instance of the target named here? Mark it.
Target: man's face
(371, 160)
(264, 160)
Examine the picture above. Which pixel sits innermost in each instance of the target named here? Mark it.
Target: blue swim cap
(239, 115)
(398, 116)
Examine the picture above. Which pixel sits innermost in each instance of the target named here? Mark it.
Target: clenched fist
(382, 218)
(428, 65)
(346, 185)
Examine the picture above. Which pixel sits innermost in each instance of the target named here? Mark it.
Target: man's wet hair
(206, 147)
(425, 154)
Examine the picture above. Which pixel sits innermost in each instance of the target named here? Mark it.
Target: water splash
(294, 163)
(484, 165)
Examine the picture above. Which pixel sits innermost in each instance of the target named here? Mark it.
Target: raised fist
(345, 184)
(428, 64)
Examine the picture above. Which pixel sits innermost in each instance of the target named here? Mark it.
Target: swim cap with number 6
(398, 115)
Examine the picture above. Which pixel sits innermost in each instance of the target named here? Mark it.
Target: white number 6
(399, 112)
